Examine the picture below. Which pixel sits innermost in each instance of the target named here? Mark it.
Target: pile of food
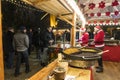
(71, 51)
(89, 50)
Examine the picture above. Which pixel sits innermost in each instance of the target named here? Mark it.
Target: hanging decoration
(115, 3)
(104, 22)
(102, 4)
(52, 20)
(91, 6)
(107, 13)
(89, 22)
(107, 21)
(95, 22)
(98, 14)
(116, 13)
(115, 21)
(101, 22)
(92, 14)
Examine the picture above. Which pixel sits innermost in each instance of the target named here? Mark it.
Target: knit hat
(98, 27)
(82, 29)
(22, 28)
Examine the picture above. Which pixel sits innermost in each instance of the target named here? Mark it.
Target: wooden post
(73, 30)
(1, 49)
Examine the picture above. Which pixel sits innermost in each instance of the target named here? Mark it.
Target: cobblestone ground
(34, 67)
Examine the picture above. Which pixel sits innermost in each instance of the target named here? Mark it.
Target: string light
(74, 6)
(22, 4)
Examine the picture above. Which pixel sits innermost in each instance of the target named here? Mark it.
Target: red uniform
(84, 39)
(99, 38)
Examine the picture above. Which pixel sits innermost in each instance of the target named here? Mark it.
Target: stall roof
(58, 8)
(63, 10)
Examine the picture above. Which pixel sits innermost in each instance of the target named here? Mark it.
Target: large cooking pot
(85, 53)
(82, 57)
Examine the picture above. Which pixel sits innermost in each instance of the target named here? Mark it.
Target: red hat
(82, 29)
(98, 27)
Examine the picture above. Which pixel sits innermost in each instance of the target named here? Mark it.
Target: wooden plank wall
(1, 49)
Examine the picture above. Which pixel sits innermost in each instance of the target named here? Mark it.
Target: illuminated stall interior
(62, 15)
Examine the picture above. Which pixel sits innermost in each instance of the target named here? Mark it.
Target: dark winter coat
(9, 41)
(47, 37)
(21, 41)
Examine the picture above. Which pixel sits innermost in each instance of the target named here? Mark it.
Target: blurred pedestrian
(84, 39)
(21, 45)
(9, 48)
(48, 41)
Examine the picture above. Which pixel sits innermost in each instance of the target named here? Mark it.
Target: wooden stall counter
(78, 74)
(43, 73)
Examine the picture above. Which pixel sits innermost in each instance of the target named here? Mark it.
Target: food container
(59, 73)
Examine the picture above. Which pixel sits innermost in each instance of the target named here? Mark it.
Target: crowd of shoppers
(20, 43)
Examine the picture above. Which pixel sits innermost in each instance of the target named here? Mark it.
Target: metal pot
(81, 64)
(84, 58)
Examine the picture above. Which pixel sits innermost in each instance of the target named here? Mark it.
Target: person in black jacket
(48, 41)
(38, 42)
(30, 35)
(9, 48)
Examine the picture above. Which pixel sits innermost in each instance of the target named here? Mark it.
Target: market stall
(73, 73)
(63, 10)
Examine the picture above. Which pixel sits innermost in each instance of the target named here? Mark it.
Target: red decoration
(91, 5)
(98, 14)
(101, 21)
(115, 21)
(116, 13)
(89, 22)
(107, 13)
(102, 4)
(107, 21)
(115, 3)
(92, 14)
(95, 22)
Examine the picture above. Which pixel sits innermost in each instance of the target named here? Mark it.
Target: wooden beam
(66, 14)
(1, 49)
(39, 1)
(44, 16)
(34, 2)
(73, 30)
(61, 17)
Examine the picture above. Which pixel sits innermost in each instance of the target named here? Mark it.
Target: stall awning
(59, 8)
